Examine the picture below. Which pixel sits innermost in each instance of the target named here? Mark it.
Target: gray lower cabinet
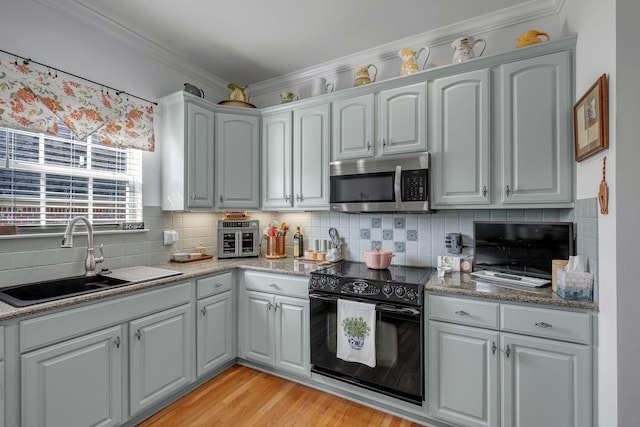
(463, 374)
(274, 313)
(494, 364)
(160, 355)
(237, 161)
(215, 332)
(75, 383)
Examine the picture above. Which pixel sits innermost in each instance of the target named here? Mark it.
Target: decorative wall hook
(603, 193)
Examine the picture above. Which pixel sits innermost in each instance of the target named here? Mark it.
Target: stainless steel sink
(51, 290)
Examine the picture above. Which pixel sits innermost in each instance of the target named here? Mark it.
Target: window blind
(46, 180)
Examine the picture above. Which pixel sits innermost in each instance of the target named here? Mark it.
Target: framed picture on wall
(591, 121)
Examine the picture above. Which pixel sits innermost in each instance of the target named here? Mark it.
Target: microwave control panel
(414, 185)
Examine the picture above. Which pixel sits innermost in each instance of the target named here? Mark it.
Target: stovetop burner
(397, 284)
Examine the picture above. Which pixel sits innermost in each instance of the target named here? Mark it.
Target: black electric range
(397, 284)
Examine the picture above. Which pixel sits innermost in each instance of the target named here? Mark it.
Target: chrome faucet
(67, 242)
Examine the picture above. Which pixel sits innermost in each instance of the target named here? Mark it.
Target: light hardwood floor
(242, 396)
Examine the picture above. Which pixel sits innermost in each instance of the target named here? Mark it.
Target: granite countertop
(464, 284)
(452, 284)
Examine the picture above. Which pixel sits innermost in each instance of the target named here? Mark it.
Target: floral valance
(35, 101)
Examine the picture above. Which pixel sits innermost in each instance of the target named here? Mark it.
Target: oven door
(399, 370)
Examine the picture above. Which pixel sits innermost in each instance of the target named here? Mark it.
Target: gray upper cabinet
(311, 157)
(237, 161)
(400, 115)
(461, 141)
(535, 133)
(352, 123)
(295, 159)
(187, 153)
(276, 161)
(403, 119)
(501, 136)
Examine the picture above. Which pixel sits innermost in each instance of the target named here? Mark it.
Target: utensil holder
(275, 247)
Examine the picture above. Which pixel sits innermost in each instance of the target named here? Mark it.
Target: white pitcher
(463, 48)
(320, 86)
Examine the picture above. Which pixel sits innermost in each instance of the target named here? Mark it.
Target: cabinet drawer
(466, 312)
(542, 322)
(277, 284)
(213, 285)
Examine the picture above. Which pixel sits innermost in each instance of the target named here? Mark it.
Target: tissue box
(575, 285)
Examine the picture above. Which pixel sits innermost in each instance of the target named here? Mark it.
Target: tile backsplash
(416, 239)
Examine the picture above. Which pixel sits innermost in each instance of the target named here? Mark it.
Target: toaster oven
(238, 238)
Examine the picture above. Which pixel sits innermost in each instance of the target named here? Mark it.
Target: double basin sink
(52, 290)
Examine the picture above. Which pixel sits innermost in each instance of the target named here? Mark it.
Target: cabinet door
(214, 332)
(403, 119)
(463, 374)
(545, 383)
(74, 383)
(2, 394)
(238, 161)
(352, 124)
(276, 161)
(536, 137)
(259, 333)
(311, 157)
(460, 150)
(200, 152)
(292, 335)
(160, 355)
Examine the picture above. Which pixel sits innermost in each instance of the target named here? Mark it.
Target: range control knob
(411, 295)
(400, 291)
(315, 283)
(387, 290)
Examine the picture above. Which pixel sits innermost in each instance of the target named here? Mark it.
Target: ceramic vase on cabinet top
(463, 48)
(409, 58)
(362, 75)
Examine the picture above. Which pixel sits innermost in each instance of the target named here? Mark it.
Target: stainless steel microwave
(398, 183)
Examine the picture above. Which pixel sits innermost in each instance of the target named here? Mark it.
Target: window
(47, 180)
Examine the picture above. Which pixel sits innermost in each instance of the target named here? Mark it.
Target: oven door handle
(323, 298)
(404, 310)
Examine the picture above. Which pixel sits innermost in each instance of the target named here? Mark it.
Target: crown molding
(533, 9)
(89, 16)
(530, 10)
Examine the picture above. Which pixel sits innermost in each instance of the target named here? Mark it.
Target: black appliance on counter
(398, 295)
(521, 248)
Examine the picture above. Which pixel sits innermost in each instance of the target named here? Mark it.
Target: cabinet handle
(269, 305)
(221, 198)
(484, 191)
(286, 198)
(203, 311)
(384, 143)
(275, 307)
(117, 342)
(368, 146)
(218, 285)
(273, 285)
(138, 334)
(462, 313)
(508, 352)
(193, 196)
(508, 191)
(298, 197)
(543, 325)
(493, 347)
